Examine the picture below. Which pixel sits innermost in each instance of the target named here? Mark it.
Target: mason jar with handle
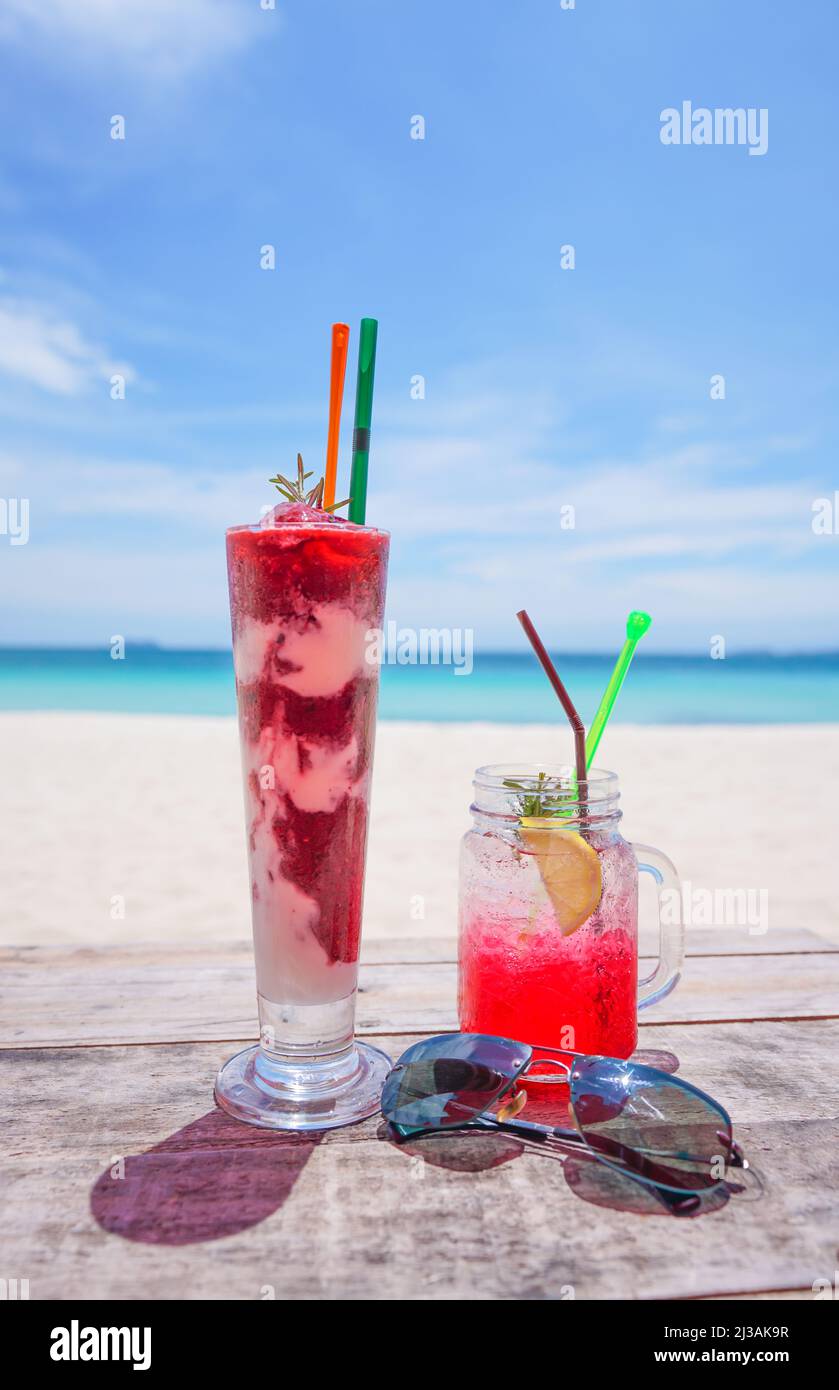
(548, 948)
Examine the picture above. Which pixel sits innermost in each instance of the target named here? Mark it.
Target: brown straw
(567, 704)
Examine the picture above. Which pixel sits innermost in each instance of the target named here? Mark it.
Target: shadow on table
(591, 1181)
(213, 1178)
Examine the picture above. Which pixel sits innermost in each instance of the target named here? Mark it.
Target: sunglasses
(650, 1126)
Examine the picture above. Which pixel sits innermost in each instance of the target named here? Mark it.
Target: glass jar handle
(671, 945)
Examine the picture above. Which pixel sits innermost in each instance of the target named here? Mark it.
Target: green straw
(363, 417)
(636, 625)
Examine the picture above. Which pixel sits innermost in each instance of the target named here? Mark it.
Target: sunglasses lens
(658, 1127)
(448, 1081)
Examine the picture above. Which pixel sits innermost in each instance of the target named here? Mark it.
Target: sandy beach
(130, 827)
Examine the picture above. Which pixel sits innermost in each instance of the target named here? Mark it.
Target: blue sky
(544, 387)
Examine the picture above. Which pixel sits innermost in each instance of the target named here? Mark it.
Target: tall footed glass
(306, 588)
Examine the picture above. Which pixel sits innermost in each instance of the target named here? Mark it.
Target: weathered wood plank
(211, 1209)
(142, 995)
(700, 941)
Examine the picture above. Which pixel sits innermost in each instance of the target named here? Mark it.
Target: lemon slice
(570, 869)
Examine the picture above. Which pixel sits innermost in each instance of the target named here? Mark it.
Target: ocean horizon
(503, 687)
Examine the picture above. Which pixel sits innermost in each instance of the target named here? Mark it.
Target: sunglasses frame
(676, 1196)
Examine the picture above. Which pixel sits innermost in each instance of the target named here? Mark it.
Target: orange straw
(340, 343)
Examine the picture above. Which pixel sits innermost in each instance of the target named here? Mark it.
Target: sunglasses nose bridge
(549, 1062)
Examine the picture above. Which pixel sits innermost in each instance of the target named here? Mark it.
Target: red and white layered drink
(307, 593)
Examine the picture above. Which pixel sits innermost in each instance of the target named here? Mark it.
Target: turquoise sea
(747, 688)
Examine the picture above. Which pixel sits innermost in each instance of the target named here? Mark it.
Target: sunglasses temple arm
(635, 1165)
(528, 1130)
(674, 1201)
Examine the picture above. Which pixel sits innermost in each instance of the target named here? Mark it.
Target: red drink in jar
(549, 914)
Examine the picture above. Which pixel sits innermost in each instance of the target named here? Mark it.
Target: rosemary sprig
(298, 492)
(551, 797)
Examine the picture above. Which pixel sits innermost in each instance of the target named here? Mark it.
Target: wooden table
(121, 1179)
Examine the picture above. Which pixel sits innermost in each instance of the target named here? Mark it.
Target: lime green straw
(363, 417)
(636, 625)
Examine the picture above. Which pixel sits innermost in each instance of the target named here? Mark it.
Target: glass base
(339, 1090)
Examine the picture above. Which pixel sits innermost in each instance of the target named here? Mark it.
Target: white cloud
(77, 593)
(162, 39)
(708, 534)
(493, 488)
(579, 609)
(72, 489)
(38, 346)
(475, 536)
